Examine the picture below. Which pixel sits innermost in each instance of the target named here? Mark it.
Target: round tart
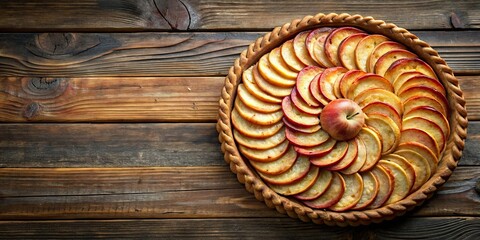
(341, 119)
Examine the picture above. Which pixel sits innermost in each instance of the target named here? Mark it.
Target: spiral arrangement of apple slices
(341, 119)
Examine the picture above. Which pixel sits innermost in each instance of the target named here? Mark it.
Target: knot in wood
(56, 43)
(31, 110)
(43, 88)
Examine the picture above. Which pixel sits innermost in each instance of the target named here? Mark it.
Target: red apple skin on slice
(405, 165)
(421, 81)
(316, 46)
(374, 147)
(255, 103)
(271, 75)
(304, 78)
(256, 143)
(419, 164)
(296, 116)
(346, 52)
(428, 126)
(419, 136)
(431, 114)
(253, 130)
(253, 88)
(319, 186)
(294, 127)
(331, 196)
(380, 95)
(315, 90)
(428, 154)
(278, 166)
(267, 155)
(299, 169)
(298, 186)
(401, 184)
(379, 50)
(370, 191)
(384, 109)
(347, 80)
(327, 81)
(368, 82)
(387, 59)
(270, 89)
(306, 139)
(333, 41)
(255, 116)
(333, 157)
(387, 129)
(407, 65)
(385, 188)
(300, 48)
(359, 160)
(419, 101)
(348, 158)
(288, 54)
(302, 105)
(352, 194)
(365, 48)
(317, 151)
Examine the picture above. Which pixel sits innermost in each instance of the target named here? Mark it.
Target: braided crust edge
(448, 161)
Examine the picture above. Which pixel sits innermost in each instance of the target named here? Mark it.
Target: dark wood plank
(171, 192)
(130, 99)
(109, 145)
(132, 145)
(130, 15)
(240, 228)
(107, 99)
(170, 54)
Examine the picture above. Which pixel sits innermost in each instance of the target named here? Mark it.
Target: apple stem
(353, 115)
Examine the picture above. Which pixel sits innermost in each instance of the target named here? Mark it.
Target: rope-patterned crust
(448, 161)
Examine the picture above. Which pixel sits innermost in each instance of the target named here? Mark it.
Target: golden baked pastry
(341, 119)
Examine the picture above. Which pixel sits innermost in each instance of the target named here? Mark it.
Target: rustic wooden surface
(107, 112)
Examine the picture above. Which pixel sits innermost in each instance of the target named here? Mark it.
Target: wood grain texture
(132, 145)
(110, 99)
(172, 192)
(130, 99)
(232, 228)
(170, 54)
(130, 15)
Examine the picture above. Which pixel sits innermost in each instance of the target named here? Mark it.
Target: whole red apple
(342, 119)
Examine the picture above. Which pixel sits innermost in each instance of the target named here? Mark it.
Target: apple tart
(341, 119)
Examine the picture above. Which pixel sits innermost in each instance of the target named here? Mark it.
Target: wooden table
(108, 113)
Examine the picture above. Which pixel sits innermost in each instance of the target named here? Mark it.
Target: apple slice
(316, 45)
(289, 56)
(348, 159)
(368, 82)
(385, 188)
(405, 165)
(379, 95)
(419, 136)
(346, 51)
(359, 160)
(278, 64)
(365, 48)
(334, 156)
(278, 166)
(303, 106)
(422, 81)
(320, 185)
(296, 116)
(299, 170)
(327, 81)
(431, 114)
(271, 76)
(304, 78)
(342, 119)
(428, 154)
(299, 186)
(428, 126)
(253, 130)
(317, 151)
(306, 139)
(315, 90)
(255, 103)
(419, 164)
(302, 129)
(387, 129)
(253, 89)
(333, 41)
(270, 89)
(374, 147)
(258, 143)
(255, 116)
(404, 76)
(384, 109)
(387, 59)
(331, 196)
(300, 48)
(407, 65)
(418, 101)
(347, 79)
(266, 155)
(352, 194)
(401, 182)
(379, 50)
(370, 191)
